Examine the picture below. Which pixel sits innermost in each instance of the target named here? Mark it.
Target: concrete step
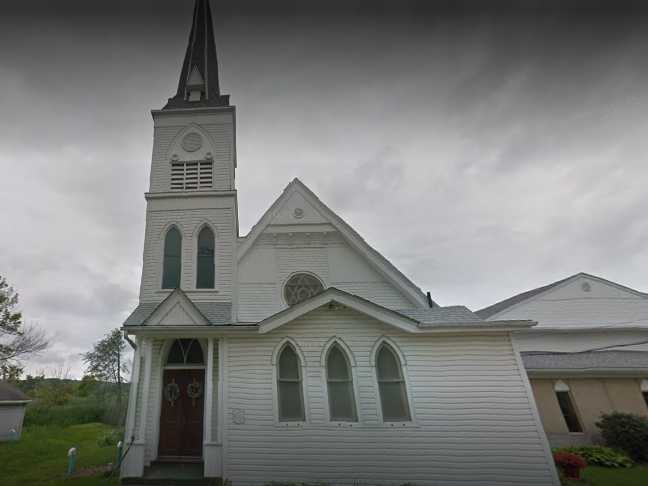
(171, 482)
(169, 473)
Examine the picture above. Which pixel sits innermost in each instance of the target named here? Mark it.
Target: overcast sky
(482, 152)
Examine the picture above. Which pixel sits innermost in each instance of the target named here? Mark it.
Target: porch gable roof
(214, 313)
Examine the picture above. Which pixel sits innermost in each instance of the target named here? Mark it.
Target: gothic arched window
(205, 260)
(185, 352)
(391, 384)
(289, 386)
(172, 264)
(340, 386)
(300, 287)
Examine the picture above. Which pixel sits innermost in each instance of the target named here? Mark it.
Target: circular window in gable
(300, 287)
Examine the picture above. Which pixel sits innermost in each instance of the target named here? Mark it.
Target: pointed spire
(198, 85)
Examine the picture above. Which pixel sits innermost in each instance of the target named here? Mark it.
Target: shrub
(570, 464)
(79, 412)
(627, 432)
(110, 438)
(600, 456)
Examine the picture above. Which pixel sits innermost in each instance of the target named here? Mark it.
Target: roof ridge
(522, 296)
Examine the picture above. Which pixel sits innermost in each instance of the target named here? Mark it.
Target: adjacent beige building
(587, 356)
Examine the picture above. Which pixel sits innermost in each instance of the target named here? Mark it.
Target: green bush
(75, 412)
(627, 432)
(110, 438)
(599, 456)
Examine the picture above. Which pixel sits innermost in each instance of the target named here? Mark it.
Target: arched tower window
(391, 384)
(301, 286)
(340, 386)
(205, 261)
(185, 352)
(172, 265)
(289, 386)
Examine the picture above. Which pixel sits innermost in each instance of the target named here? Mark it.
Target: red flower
(570, 464)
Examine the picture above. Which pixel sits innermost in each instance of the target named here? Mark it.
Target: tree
(17, 340)
(105, 362)
(10, 371)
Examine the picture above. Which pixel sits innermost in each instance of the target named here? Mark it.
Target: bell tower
(191, 215)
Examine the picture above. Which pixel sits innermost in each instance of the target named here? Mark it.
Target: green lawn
(602, 476)
(40, 457)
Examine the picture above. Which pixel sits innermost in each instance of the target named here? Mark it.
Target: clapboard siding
(222, 220)
(473, 417)
(569, 306)
(217, 130)
(269, 263)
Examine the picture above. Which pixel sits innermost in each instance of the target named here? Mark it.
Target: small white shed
(12, 411)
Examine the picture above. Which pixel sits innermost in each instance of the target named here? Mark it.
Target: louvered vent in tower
(191, 175)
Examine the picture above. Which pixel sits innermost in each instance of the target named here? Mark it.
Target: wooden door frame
(164, 354)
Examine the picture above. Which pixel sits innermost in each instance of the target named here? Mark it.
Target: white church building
(298, 352)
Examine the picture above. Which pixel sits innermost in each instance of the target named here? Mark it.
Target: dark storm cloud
(483, 147)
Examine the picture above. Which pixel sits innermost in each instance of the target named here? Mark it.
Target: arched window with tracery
(301, 286)
(185, 352)
(205, 261)
(391, 385)
(289, 385)
(339, 380)
(172, 261)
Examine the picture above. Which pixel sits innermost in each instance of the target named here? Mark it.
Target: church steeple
(198, 85)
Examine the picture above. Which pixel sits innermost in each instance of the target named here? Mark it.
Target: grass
(602, 476)
(40, 457)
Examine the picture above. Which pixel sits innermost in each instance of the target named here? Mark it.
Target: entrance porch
(173, 412)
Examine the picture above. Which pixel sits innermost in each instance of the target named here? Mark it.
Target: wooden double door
(181, 415)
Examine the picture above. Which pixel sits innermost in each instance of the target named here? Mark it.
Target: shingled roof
(498, 307)
(9, 393)
(217, 313)
(587, 361)
(491, 310)
(200, 64)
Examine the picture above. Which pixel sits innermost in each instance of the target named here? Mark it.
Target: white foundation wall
(474, 415)
(263, 271)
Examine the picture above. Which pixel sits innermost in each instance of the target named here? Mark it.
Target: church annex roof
(590, 361)
(200, 66)
(498, 307)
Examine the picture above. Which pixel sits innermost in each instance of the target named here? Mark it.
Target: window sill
(296, 425)
(398, 425)
(349, 425)
(190, 291)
